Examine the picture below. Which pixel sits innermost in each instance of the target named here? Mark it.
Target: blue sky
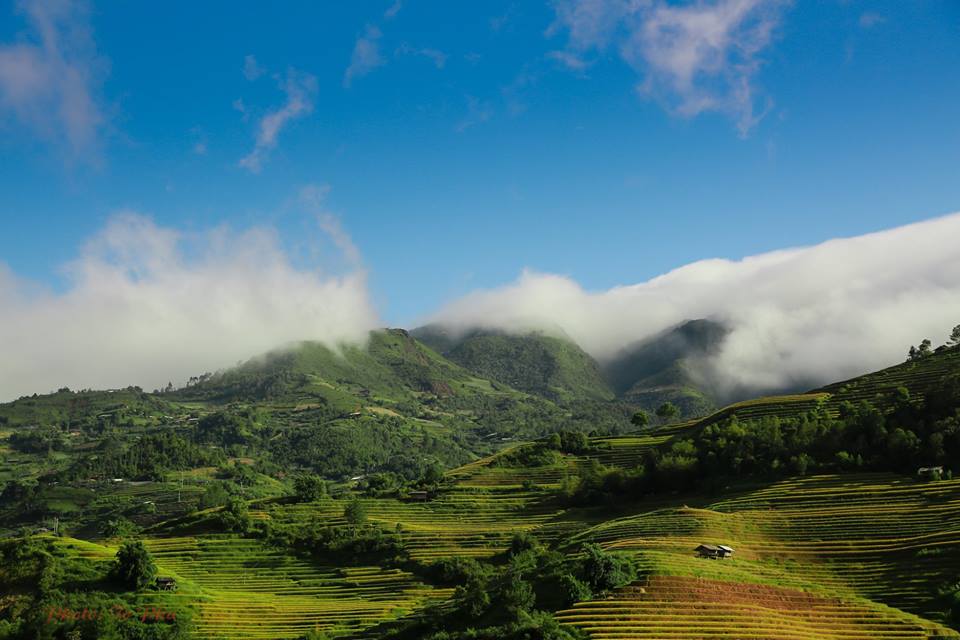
(473, 140)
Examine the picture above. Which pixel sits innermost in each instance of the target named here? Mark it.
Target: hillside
(569, 536)
(552, 367)
(660, 368)
(392, 405)
(644, 374)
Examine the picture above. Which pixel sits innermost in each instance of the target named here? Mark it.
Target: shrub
(574, 589)
(309, 487)
(235, 516)
(517, 594)
(355, 512)
(604, 570)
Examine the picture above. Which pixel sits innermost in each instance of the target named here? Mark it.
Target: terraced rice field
(781, 406)
(616, 451)
(683, 607)
(247, 590)
(626, 451)
(868, 538)
(916, 377)
(465, 522)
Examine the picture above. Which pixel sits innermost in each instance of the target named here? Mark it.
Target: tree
(640, 419)
(214, 496)
(119, 528)
(574, 590)
(916, 353)
(235, 516)
(955, 336)
(432, 475)
(355, 512)
(605, 571)
(667, 411)
(517, 594)
(309, 487)
(474, 594)
(133, 566)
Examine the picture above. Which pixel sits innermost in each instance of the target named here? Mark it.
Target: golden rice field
(877, 545)
(667, 607)
(244, 589)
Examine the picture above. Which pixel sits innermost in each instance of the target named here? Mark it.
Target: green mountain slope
(544, 365)
(537, 540)
(645, 374)
(658, 369)
(392, 365)
(392, 404)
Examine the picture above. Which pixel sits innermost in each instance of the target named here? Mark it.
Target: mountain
(661, 368)
(552, 367)
(645, 374)
(392, 404)
(834, 533)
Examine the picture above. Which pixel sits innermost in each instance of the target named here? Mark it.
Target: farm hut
(166, 584)
(419, 496)
(707, 551)
(714, 551)
(930, 473)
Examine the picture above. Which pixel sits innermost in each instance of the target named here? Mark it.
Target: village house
(166, 584)
(930, 473)
(714, 551)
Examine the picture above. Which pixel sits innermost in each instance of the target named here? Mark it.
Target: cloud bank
(693, 57)
(806, 315)
(146, 305)
(50, 78)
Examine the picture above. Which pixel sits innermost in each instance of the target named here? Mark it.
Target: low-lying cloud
(805, 315)
(147, 304)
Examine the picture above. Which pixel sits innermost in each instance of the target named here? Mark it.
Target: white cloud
(300, 89)
(50, 78)
(799, 316)
(146, 305)
(868, 20)
(393, 10)
(313, 197)
(569, 60)
(478, 112)
(366, 55)
(252, 69)
(693, 57)
(439, 58)
(199, 141)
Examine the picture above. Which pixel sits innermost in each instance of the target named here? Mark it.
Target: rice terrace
(501, 320)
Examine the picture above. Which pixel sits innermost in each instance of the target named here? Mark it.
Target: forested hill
(535, 362)
(662, 368)
(392, 404)
(644, 374)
